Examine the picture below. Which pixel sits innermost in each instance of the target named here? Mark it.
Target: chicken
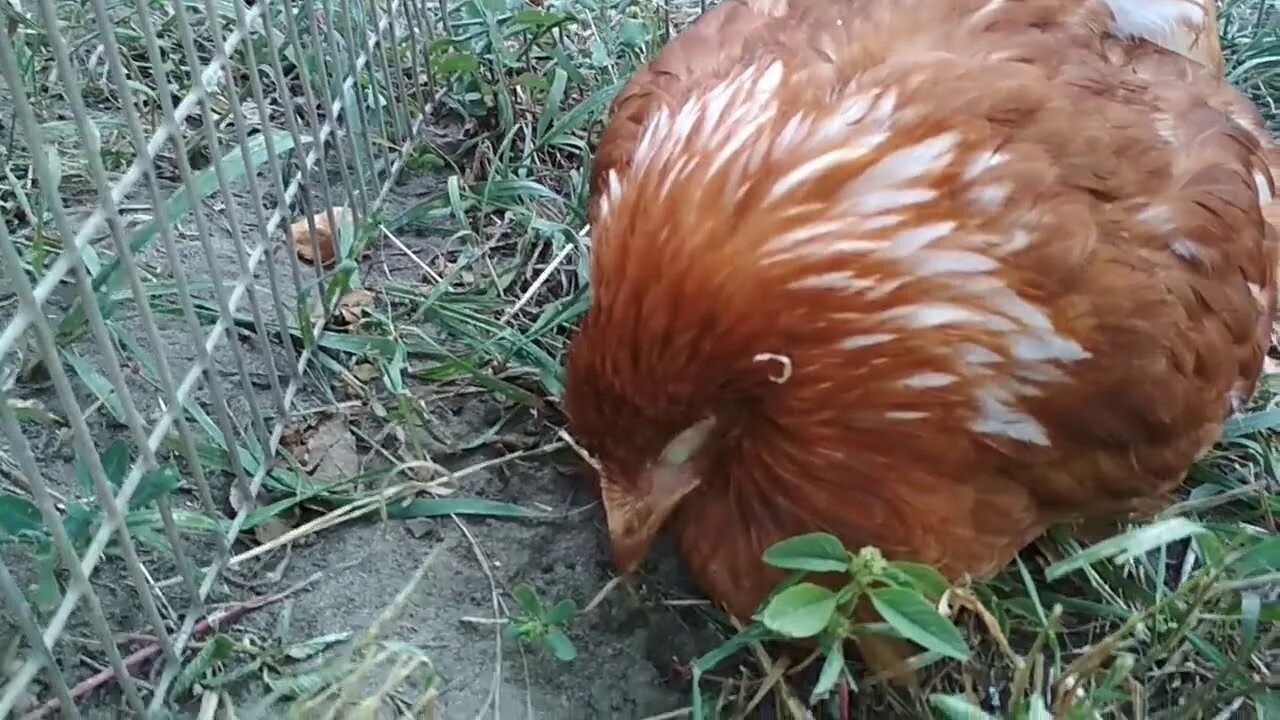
(929, 275)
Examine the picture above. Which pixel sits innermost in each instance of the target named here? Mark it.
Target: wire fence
(186, 184)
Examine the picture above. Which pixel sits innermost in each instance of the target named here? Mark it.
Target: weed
(903, 593)
(20, 519)
(542, 626)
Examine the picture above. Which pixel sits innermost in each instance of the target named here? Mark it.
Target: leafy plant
(542, 625)
(903, 593)
(20, 519)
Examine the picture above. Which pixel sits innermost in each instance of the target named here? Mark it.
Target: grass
(1175, 619)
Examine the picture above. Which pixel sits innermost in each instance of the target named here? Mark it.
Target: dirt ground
(629, 647)
(626, 652)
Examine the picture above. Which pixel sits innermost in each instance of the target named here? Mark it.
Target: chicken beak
(628, 545)
(635, 519)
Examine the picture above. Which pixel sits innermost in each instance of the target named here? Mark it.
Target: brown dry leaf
(326, 241)
(269, 529)
(365, 372)
(294, 437)
(353, 306)
(329, 451)
(35, 411)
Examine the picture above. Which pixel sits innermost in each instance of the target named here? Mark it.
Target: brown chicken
(930, 275)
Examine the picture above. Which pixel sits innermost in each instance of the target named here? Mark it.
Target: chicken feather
(930, 275)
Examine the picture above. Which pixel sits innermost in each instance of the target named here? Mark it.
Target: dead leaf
(353, 306)
(365, 372)
(329, 451)
(35, 411)
(326, 241)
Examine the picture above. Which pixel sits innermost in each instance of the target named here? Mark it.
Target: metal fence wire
(154, 297)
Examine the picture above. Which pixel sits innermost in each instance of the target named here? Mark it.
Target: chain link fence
(186, 184)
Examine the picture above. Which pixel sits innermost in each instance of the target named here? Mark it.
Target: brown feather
(960, 270)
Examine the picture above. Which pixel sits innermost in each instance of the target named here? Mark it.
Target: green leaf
(537, 18)
(77, 521)
(908, 613)
(560, 645)
(1263, 557)
(1267, 704)
(19, 515)
(581, 114)
(1269, 613)
(219, 647)
(33, 411)
(1250, 610)
(600, 56)
(1127, 546)
(527, 598)
(115, 464)
(47, 592)
(925, 578)
(958, 707)
(55, 169)
(310, 648)
(153, 485)
(633, 33)
(444, 507)
(97, 383)
(754, 632)
(832, 666)
(306, 683)
(561, 613)
(236, 675)
(148, 535)
(554, 97)
(815, 552)
(1253, 422)
(457, 64)
(800, 611)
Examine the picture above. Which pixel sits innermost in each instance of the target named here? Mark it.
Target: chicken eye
(683, 446)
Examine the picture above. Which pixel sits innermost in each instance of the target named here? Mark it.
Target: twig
(671, 715)
(208, 705)
(499, 612)
(426, 269)
(373, 503)
(604, 592)
(772, 679)
(536, 285)
(137, 660)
